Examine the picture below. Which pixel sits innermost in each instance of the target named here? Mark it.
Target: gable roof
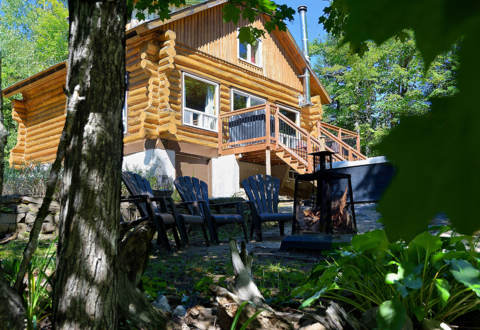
(285, 37)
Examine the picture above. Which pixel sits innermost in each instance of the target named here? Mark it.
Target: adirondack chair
(194, 190)
(161, 210)
(262, 192)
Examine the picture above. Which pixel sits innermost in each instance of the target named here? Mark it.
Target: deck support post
(268, 163)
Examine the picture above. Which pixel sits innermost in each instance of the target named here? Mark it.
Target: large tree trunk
(12, 310)
(3, 131)
(85, 293)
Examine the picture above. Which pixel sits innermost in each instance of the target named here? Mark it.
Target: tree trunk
(12, 310)
(3, 131)
(85, 290)
(134, 251)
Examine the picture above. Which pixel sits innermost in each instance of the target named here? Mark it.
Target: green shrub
(26, 180)
(37, 295)
(430, 278)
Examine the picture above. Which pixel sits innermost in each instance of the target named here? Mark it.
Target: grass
(14, 249)
(185, 276)
(189, 275)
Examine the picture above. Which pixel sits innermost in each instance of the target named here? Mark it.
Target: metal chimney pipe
(302, 10)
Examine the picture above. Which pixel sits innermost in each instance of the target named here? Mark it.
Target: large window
(200, 102)
(241, 100)
(251, 53)
(287, 134)
(293, 115)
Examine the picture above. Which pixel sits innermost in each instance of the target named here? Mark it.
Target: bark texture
(133, 257)
(12, 310)
(3, 131)
(85, 293)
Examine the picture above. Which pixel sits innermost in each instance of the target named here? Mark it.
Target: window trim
(233, 91)
(249, 52)
(297, 112)
(217, 98)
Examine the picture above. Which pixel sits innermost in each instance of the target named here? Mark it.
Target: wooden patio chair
(193, 190)
(161, 210)
(262, 192)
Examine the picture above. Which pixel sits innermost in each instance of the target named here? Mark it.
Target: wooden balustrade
(264, 127)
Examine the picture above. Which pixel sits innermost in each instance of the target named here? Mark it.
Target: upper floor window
(241, 100)
(200, 102)
(251, 53)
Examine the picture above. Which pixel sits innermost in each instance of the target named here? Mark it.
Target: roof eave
(19, 85)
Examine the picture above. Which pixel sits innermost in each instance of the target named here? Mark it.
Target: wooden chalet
(199, 103)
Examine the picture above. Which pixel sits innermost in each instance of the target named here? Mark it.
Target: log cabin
(200, 103)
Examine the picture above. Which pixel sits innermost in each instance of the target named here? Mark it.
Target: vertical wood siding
(208, 33)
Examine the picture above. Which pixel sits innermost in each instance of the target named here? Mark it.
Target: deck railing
(247, 130)
(344, 142)
(244, 130)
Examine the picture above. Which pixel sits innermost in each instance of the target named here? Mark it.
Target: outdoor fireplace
(325, 217)
(325, 210)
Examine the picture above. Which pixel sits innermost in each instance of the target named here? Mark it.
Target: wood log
(168, 35)
(245, 289)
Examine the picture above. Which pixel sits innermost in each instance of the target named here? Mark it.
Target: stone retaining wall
(17, 213)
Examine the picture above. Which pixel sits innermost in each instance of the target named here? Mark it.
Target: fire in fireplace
(324, 211)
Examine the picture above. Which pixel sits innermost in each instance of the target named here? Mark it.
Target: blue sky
(315, 10)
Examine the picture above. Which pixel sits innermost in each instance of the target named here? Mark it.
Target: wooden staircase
(248, 134)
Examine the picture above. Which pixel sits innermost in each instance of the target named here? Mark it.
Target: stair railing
(337, 142)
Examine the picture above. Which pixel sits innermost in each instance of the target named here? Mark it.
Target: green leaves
(433, 152)
(437, 23)
(443, 288)
(372, 92)
(373, 241)
(250, 10)
(391, 315)
(432, 277)
(465, 273)
(427, 242)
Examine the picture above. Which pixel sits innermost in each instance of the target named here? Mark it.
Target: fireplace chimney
(302, 10)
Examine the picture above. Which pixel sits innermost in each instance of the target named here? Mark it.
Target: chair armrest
(228, 203)
(192, 202)
(134, 198)
(198, 205)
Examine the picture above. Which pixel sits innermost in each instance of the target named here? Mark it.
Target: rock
(23, 208)
(33, 200)
(334, 317)
(54, 207)
(33, 209)
(199, 317)
(179, 311)
(313, 326)
(162, 303)
(48, 228)
(49, 219)
(30, 218)
(22, 228)
(21, 217)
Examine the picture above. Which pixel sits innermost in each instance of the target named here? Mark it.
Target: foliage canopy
(372, 92)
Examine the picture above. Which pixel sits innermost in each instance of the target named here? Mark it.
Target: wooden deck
(248, 134)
